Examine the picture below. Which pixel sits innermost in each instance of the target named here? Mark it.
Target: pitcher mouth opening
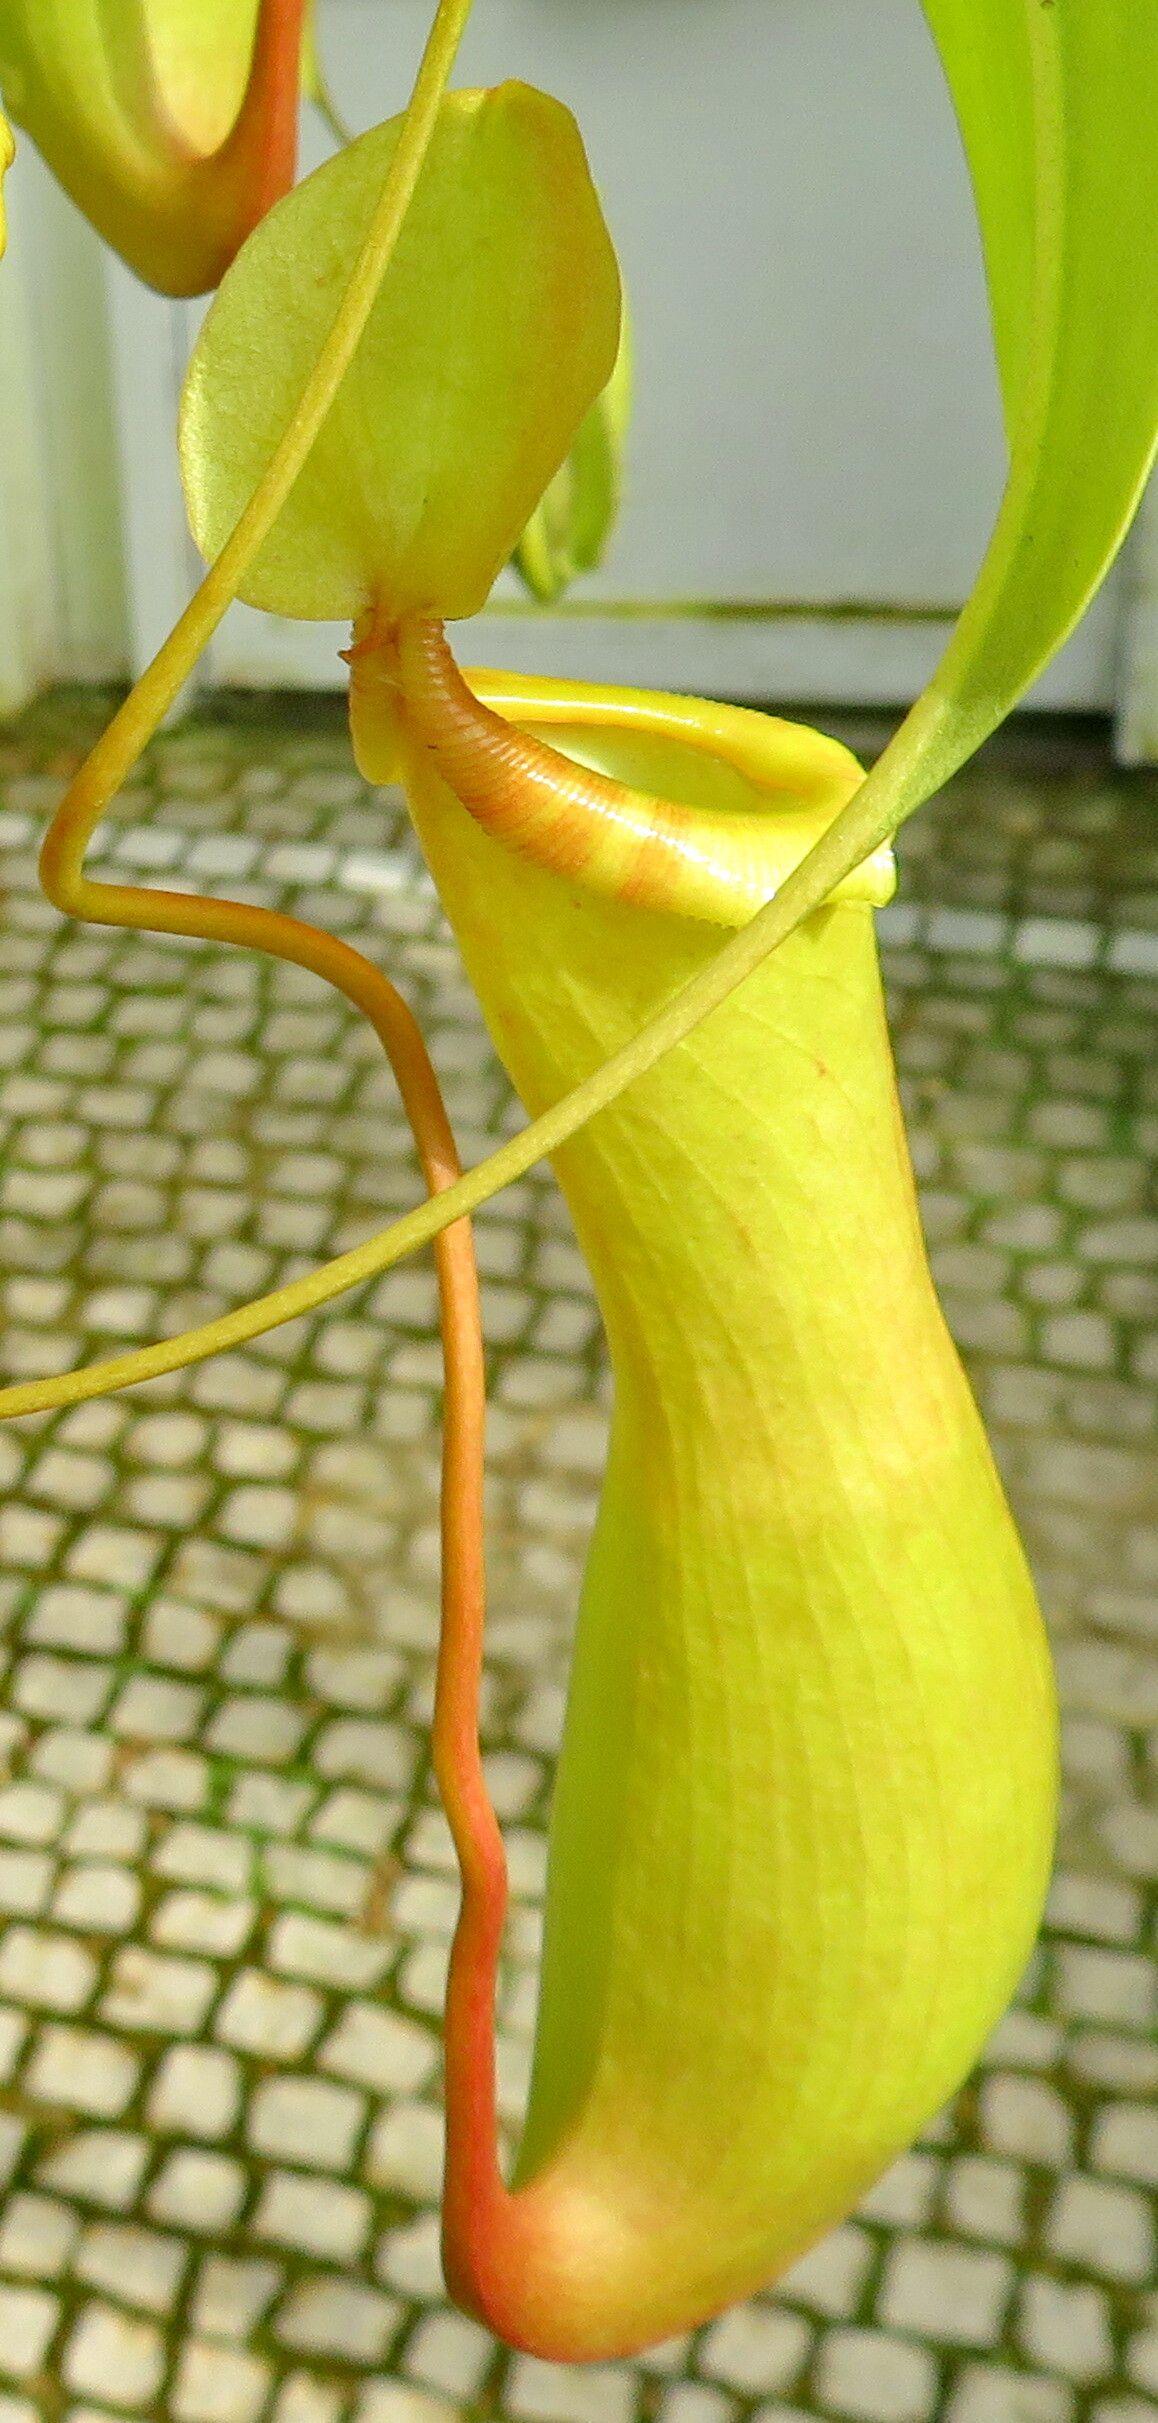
(785, 780)
(667, 803)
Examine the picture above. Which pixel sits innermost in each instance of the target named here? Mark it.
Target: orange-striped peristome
(565, 811)
(804, 1807)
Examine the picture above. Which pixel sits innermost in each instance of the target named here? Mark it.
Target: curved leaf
(986, 57)
(1075, 313)
(494, 329)
(1058, 105)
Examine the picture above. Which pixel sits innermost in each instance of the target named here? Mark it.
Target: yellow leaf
(495, 329)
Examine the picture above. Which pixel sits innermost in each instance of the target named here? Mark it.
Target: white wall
(62, 584)
(25, 578)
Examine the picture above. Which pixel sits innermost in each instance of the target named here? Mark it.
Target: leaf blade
(495, 328)
(1075, 311)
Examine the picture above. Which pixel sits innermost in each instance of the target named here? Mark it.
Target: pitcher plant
(804, 1809)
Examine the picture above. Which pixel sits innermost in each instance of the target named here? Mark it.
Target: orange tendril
(471, 2119)
(458, 1763)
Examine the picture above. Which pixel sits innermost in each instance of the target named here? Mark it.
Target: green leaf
(985, 52)
(495, 328)
(172, 123)
(1058, 106)
(570, 530)
(1075, 311)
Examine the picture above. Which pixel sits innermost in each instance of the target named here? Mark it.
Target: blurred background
(225, 1889)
